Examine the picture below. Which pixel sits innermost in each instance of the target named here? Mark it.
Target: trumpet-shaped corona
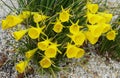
(64, 15)
(45, 62)
(93, 8)
(11, 21)
(71, 51)
(51, 51)
(74, 28)
(78, 38)
(80, 53)
(19, 34)
(20, 67)
(25, 14)
(43, 45)
(91, 38)
(38, 18)
(95, 30)
(58, 26)
(35, 32)
(111, 35)
(30, 53)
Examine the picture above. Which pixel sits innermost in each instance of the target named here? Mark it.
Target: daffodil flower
(38, 18)
(111, 35)
(21, 66)
(90, 37)
(30, 53)
(74, 28)
(34, 32)
(45, 62)
(93, 8)
(78, 38)
(71, 51)
(19, 34)
(52, 50)
(58, 26)
(11, 21)
(80, 53)
(43, 45)
(64, 15)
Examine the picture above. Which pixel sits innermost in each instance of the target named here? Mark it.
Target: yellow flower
(45, 62)
(107, 16)
(58, 26)
(78, 38)
(11, 21)
(93, 8)
(20, 67)
(64, 15)
(111, 35)
(19, 34)
(106, 27)
(92, 18)
(92, 39)
(43, 45)
(80, 53)
(71, 51)
(74, 28)
(38, 18)
(30, 53)
(95, 30)
(51, 51)
(34, 32)
(24, 14)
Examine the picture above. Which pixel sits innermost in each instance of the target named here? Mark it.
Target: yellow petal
(19, 34)
(80, 53)
(30, 53)
(111, 35)
(64, 15)
(45, 62)
(93, 8)
(20, 67)
(34, 32)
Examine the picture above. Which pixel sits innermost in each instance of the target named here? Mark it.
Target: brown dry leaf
(3, 59)
(20, 75)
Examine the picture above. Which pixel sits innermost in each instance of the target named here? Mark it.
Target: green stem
(53, 73)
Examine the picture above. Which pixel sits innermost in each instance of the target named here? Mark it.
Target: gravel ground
(96, 67)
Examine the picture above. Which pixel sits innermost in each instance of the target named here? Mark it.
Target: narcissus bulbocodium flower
(111, 35)
(80, 53)
(78, 38)
(93, 8)
(73, 51)
(38, 18)
(21, 66)
(11, 21)
(30, 53)
(45, 62)
(106, 27)
(52, 50)
(25, 14)
(95, 18)
(64, 15)
(43, 45)
(96, 30)
(19, 34)
(90, 37)
(58, 26)
(107, 16)
(74, 28)
(34, 32)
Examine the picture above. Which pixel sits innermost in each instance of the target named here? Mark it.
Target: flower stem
(53, 73)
